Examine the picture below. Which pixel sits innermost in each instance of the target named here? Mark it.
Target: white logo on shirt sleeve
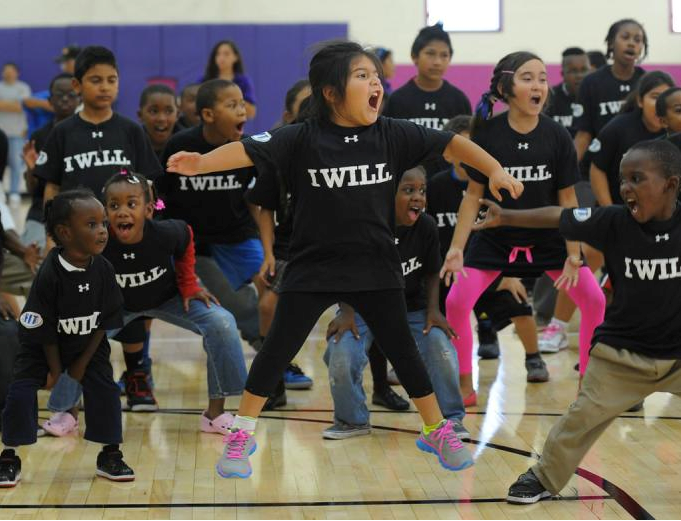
(42, 158)
(30, 320)
(577, 110)
(264, 137)
(582, 214)
(595, 146)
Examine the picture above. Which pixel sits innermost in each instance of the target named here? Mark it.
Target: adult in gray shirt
(13, 122)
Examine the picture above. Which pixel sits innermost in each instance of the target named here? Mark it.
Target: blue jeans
(225, 365)
(15, 161)
(347, 359)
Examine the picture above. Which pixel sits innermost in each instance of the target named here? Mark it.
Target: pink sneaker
(219, 425)
(61, 424)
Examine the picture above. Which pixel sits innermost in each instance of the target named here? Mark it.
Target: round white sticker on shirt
(595, 146)
(582, 214)
(577, 110)
(42, 158)
(263, 138)
(30, 320)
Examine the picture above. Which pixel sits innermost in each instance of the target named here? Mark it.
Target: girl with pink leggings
(540, 153)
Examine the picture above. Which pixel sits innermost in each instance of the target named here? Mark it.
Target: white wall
(543, 26)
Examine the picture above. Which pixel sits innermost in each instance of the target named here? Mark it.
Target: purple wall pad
(474, 79)
(275, 56)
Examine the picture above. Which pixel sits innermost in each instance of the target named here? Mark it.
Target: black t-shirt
(644, 268)
(342, 182)
(419, 249)
(544, 160)
(445, 193)
(145, 271)
(431, 109)
(212, 204)
(618, 136)
(267, 193)
(79, 153)
(564, 108)
(39, 137)
(602, 95)
(66, 305)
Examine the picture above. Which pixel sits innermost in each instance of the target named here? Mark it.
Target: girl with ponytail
(538, 152)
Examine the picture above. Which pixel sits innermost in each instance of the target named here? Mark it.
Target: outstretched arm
(545, 217)
(227, 157)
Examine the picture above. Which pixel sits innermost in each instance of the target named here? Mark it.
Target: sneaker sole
(345, 435)
(536, 380)
(10, 484)
(236, 474)
(427, 448)
(553, 349)
(298, 385)
(390, 407)
(144, 408)
(111, 477)
(528, 500)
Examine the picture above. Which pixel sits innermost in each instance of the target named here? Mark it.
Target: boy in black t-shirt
(229, 252)
(187, 105)
(88, 147)
(563, 106)
(72, 303)
(428, 99)
(637, 348)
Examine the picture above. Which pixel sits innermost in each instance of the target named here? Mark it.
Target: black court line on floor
(297, 503)
(633, 508)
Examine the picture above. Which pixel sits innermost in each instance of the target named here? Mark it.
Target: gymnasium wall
(543, 26)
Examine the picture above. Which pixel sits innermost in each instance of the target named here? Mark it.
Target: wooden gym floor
(633, 471)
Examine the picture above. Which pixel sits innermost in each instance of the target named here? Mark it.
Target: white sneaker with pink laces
(61, 424)
(219, 424)
(553, 339)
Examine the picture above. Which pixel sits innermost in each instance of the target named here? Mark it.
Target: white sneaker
(553, 339)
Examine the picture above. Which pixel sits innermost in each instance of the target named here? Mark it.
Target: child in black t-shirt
(229, 253)
(341, 167)
(73, 301)
(88, 147)
(503, 302)
(349, 337)
(563, 106)
(158, 114)
(428, 99)
(154, 264)
(637, 348)
(636, 122)
(602, 93)
(538, 151)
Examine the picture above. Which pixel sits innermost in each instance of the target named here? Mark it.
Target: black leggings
(385, 313)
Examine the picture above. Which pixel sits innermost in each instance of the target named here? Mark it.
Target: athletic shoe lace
(446, 434)
(236, 444)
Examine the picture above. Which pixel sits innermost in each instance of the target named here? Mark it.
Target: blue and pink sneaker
(234, 461)
(445, 444)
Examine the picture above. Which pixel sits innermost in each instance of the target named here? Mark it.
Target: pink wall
(474, 79)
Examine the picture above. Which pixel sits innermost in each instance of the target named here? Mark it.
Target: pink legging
(587, 295)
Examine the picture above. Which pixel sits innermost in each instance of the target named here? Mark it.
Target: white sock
(563, 325)
(244, 423)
